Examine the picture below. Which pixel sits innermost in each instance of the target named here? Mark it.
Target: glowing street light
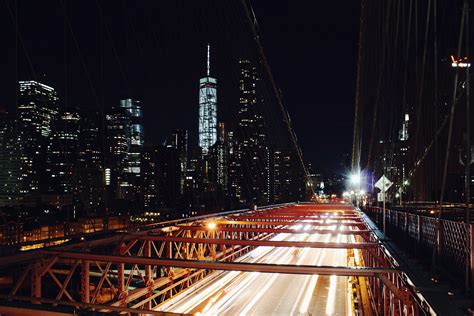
(355, 182)
(355, 179)
(211, 225)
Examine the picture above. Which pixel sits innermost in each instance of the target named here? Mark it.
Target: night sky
(155, 51)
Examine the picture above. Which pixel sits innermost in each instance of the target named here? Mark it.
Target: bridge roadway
(254, 293)
(291, 259)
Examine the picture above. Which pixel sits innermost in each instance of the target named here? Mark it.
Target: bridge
(291, 259)
(386, 249)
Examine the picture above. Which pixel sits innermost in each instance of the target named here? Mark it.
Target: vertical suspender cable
(467, 164)
(356, 133)
(448, 145)
(277, 92)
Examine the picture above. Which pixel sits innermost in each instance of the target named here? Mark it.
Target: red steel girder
(278, 230)
(301, 214)
(269, 243)
(284, 223)
(228, 266)
(298, 219)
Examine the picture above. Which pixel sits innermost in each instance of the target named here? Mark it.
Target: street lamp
(355, 179)
(211, 225)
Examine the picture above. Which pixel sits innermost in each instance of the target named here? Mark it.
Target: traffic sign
(383, 184)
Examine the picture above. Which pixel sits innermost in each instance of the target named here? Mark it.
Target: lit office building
(253, 143)
(37, 109)
(131, 184)
(61, 155)
(125, 142)
(179, 141)
(234, 169)
(9, 160)
(282, 173)
(150, 179)
(222, 157)
(117, 147)
(207, 109)
(90, 170)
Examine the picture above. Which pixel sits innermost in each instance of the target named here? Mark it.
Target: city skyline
(145, 69)
(82, 163)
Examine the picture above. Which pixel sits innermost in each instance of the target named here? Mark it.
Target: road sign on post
(380, 196)
(383, 184)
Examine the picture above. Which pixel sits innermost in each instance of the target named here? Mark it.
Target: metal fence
(417, 233)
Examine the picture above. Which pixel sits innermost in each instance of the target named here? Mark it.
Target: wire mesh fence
(417, 233)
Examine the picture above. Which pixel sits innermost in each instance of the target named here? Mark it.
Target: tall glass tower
(207, 109)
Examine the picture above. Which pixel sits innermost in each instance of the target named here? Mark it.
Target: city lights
(461, 63)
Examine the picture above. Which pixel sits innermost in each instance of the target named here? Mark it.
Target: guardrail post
(405, 227)
(471, 252)
(418, 227)
(441, 238)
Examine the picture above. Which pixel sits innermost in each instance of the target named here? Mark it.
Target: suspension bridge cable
(448, 146)
(276, 91)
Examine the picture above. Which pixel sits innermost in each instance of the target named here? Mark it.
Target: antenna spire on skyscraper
(208, 59)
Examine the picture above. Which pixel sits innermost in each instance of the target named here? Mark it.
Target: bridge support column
(471, 253)
(36, 282)
(148, 273)
(121, 279)
(85, 279)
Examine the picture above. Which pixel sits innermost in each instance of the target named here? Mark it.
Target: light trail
(254, 293)
(225, 277)
(309, 289)
(332, 295)
(257, 297)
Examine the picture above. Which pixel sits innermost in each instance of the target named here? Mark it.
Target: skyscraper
(234, 169)
(222, 157)
(179, 141)
(118, 143)
(253, 142)
(61, 154)
(150, 178)
(282, 172)
(207, 109)
(132, 170)
(90, 169)
(37, 109)
(9, 160)
(125, 136)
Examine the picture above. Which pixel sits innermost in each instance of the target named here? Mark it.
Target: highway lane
(253, 293)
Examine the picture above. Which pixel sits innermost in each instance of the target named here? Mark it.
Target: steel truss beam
(89, 306)
(270, 243)
(278, 230)
(286, 223)
(295, 218)
(227, 266)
